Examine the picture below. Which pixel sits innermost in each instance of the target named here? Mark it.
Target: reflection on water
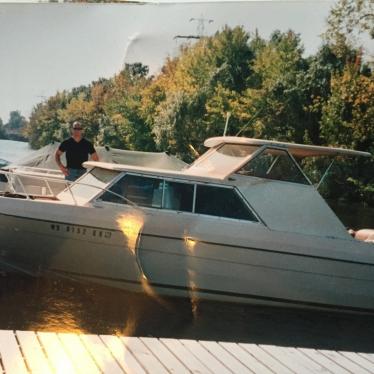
(67, 306)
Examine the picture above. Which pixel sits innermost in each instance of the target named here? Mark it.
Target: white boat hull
(180, 255)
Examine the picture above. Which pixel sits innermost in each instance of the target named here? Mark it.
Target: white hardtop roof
(297, 150)
(159, 172)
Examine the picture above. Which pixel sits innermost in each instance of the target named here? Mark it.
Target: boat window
(104, 175)
(237, 150)
(223, 160)
(222, 202)
(143, 191)
(274, 164)
(88, 186)
(178, 196)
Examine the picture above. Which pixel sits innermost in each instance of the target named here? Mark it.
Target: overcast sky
(49, 47)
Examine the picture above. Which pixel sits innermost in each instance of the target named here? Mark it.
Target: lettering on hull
(82, 231)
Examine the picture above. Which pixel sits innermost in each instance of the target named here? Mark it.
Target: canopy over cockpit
(297, 150)
(260, 158)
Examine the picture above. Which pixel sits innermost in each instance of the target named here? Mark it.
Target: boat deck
(49, 352)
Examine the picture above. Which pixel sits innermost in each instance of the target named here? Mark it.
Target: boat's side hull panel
(176, 255)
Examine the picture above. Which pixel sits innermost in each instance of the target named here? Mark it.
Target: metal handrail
(38, 170)
(68, 187)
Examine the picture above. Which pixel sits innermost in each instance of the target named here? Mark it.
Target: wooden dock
(49, 352)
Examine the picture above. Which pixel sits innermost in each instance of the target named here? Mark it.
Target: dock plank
(10, 353)
(220, 353)
(344, 362)
(300, 360)
(285, 358)
(56, 354)
(359, 360)
(184, 355)
(314, 366)
(78, 353)
(32, 350)
(144, 355)
(171, 362)
(28, 352)
(267, 359)
(321, 359)
(246, 358)
(202, 354)
(122, 354)
(368, 356)
(101, 354)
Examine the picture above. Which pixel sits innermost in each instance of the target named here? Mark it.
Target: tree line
(15, 128)
(268, 88)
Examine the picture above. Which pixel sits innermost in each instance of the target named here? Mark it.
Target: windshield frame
(280, 148)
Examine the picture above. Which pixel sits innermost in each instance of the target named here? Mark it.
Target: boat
(243, 223)
(27, 173)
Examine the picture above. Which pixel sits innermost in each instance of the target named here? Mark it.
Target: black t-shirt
(76, 152)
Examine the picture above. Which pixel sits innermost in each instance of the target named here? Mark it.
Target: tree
(16, 121)
(347, 120)
(45, 124)
(2, 130)
(16, 126)
(188, 101)
(277, 97)
(346, 20)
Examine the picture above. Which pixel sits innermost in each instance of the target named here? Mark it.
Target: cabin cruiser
(243, 223)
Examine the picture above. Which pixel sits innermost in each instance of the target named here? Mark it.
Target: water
(65, 305)
(12, 151)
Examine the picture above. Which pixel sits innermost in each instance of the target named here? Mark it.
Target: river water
(13, 151)
(64, 305)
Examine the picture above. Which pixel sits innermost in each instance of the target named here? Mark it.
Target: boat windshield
(224, 159)
(276, 164)
(88, 186)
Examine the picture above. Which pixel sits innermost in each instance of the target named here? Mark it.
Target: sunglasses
(77, 128)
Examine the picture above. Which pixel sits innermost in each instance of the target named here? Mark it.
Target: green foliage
(347, 120)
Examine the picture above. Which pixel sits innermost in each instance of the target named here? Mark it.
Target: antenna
(228, 115)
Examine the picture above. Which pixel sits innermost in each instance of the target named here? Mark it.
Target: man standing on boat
(77, 150)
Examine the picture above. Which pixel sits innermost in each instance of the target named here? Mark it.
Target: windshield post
(325, 174)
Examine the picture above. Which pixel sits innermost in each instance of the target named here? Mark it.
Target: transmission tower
(201, 24)
(200, 29)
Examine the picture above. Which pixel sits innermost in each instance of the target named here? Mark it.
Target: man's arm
(59, 163)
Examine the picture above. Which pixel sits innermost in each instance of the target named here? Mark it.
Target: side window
(178, 196)
(274, 164)
(140, 190)
(222, 202)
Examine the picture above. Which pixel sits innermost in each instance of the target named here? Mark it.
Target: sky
(45, 48)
